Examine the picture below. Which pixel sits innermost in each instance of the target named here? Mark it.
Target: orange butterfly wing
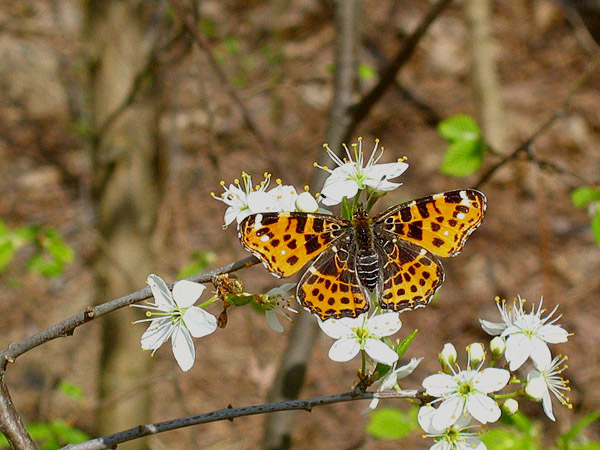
(286, 241)
(330, 287)
(439, 223)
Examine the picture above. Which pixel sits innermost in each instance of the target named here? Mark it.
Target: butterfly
(393, 254)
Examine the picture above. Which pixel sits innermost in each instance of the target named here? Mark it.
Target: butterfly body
(392, 255)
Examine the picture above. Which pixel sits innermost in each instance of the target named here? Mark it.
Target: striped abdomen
(367, 268)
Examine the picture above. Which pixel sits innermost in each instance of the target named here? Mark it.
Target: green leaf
(7, 251)
(54, 244)
(66, 433)
(460, 128)
(583, 195)
(26, 233)
(576, 429)
(383, 369)
(346, 209)
(519, 421)
(586, 446)
(505, 438)
(200, 261)
(391, 423)
(596, 226)
(71, 390)
(463, 158)
(403, 346)
(366, 72)
(45, 266)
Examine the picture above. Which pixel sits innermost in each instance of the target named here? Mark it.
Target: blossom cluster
(462, 396)
(458, 396)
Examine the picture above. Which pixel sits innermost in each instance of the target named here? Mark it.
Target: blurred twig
(265, 143)
(525, 149)
(295, 359)
(230, 413)
(388, 75)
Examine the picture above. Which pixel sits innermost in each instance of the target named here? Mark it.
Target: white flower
(284, 196)
(174, 316)
(453, 437)
(390, 380)
(240, 197)
(466, 392)
(362, 333)
(276, 304)
(353, 174)
(546, 380)
(527, 334)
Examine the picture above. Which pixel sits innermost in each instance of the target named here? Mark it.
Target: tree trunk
(123, 36)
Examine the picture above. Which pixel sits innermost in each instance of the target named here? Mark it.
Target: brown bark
(125, 153)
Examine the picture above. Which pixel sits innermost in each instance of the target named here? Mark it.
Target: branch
(265, 143)
(66, 327)
(525, 147)
(388, 75)
(229, 413)
(10, 422)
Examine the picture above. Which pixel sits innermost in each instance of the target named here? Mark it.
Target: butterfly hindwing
(439, 223)
(286, 241)
(330, 287)
(409, 275)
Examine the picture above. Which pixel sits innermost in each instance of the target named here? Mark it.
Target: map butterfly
(393, 254)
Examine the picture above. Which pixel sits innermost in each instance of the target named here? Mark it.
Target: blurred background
(115, 127)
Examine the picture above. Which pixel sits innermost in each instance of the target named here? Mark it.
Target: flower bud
(497, 347)
(447, 356)
(510, 406)
(306, 203)
(476, 353)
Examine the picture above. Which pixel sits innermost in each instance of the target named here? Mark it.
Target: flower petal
(448, 413)
(199, 322)
(440, 384)
(425, 418)
(553, 334)
(183, 348)
(380, 352)
(273, 321)
(259, 201)
(384, 172)
(156, 334)
(344, 350)
(160, 291)
(336, 187)
(185, 293)
(483, 408)
(547, 405)
(335, 328)
(540, 353)
(517, 350)
(384, 324)
(492, 328)
(491, 380)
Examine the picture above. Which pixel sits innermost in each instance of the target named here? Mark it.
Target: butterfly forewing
(439, 223)
(285, 242)
(330, 287)
(409, 275)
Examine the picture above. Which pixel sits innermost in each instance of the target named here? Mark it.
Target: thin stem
(229, 413)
